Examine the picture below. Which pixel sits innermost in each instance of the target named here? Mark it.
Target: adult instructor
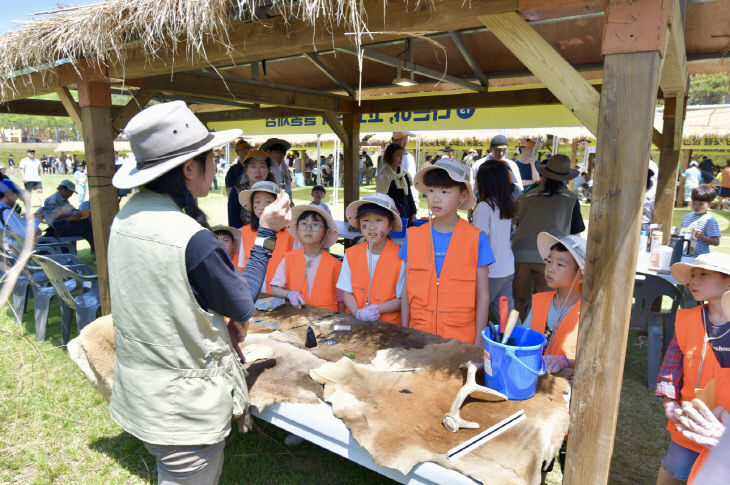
(177, 302)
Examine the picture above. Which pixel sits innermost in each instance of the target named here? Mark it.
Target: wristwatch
(265, 242)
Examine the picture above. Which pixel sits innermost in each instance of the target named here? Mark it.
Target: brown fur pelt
(93, 351)
(397, 416)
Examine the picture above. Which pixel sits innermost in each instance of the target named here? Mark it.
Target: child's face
(374, 227)
(317, 196)
(443, 202)
(256, 170)
(260, 201)
(700, 206)
(310, 230)
(227, 242)
(706, 285)
(561, 270)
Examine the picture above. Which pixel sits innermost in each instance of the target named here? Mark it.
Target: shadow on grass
(129, 452)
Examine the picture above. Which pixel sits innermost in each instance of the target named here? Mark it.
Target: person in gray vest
(177, 301)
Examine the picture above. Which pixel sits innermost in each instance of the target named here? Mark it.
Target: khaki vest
(177, 380)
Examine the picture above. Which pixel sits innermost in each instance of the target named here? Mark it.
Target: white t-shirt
(409, 165)
(322, 205)
(515, 176)
(344, 282)
(498, 232)
(31, 168)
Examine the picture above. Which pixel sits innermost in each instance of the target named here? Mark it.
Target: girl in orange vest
(556, 313)
(255, 200)
(308, 275)
(698, 353)
(228, 237)
(372, 274)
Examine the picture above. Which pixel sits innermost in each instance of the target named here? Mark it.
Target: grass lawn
(54, 428)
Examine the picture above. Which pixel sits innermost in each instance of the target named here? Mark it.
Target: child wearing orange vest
(556, 313)
(447, 273)
(228, 237)
(308, 275)
(372, 274)
(255, 200)
(698, 353)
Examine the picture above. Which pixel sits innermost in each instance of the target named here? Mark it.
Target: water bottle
(643, 244)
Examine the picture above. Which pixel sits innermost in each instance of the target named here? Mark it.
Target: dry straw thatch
(102, 32)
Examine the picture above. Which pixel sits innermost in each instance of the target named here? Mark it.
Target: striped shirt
(704, 223)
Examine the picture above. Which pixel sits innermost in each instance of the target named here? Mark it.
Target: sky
(23, 9)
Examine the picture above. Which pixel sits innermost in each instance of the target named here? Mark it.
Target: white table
(317, 424)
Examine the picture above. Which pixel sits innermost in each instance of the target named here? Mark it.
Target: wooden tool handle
(511, 321)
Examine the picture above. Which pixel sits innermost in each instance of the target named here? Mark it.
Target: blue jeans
(678, 461)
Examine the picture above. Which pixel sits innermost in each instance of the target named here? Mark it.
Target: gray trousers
(501, 287)
(188, 465)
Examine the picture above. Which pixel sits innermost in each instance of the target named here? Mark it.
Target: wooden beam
(388, 60)
(351, 146)
(336, 126)
(69, 103)
(95, 102)
(134, 106)
(673, 80)
(468, 57)
(254, 114)
(668, 167)
(216, 88)
(548, 65)
(38, 107)
(328, 72)
(624, 137)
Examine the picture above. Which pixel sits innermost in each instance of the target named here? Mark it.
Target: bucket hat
(162, 137)
(236, 233)
(330, 236)
(244, 198)
(574, 244)
(67, 184)
(557, 168)
(381, 200)
(458, 172)
(711, 261)
(272, 142)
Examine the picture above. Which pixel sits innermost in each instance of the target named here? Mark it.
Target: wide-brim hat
(557, 168)
(381, 200)
(162, 137)
(245, 196)
(330, 236)
(575, 245)
(710, 261)
(458, 172)
(236, 233)
(272, 142)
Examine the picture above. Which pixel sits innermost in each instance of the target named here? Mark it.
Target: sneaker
(293, 440)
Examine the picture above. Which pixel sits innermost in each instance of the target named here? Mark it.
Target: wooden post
(351, 123)
(573, 160)
(95, 106)
(668, 167)
(624, 138)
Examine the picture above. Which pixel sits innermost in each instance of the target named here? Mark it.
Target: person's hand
(237, 331)
(295, 298)
(670, 409)
(556, 363)
(369, 313)
(698, 235)
(697, 423)
(277, 214)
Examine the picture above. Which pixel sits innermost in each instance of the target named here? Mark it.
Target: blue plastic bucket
(513, 370)
(419, 222)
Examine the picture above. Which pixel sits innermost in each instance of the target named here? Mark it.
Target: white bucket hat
(162, 137)
(236, 233)
(574, 244)
(330, 236)
(458, 172)
(711, 261)
(381, 200)
(244, 198)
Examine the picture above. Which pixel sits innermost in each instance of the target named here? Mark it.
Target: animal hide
(93, 351)
(397, 416)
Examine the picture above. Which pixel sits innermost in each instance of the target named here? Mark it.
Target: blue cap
(7, 185)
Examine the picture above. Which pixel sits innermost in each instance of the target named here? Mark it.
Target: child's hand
(368, 313)
(295, 298)
(555, 363)
(698, 234)
(699, 424)
(670, 409)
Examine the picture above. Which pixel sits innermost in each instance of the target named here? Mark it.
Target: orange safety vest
(565, 338)
(722, 398)
(691, 337)
(284, 244)
(444, 305)
(384, 281)
(324, 292)
(248, 238)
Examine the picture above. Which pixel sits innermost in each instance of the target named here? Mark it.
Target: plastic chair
(83, 298)
(659, 326)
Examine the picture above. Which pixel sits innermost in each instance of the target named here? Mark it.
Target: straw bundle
(102, 32)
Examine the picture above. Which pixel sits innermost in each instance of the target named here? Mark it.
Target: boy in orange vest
(556, 313)
(372, 274)
(447, 273)
(698, 354)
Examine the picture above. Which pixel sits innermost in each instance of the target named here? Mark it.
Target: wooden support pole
(71, 107)
(624, 139)
(351, 124)
(334, 123)
(668, 167)
(95, 106)
(134, 106)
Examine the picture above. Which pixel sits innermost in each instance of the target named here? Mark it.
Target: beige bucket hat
(711, 261)
(244, 198)
(235, 232)
(574, 244)
(381, 200)
(458, 172)
(330, 236)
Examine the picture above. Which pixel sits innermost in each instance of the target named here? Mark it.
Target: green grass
(55, 428)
